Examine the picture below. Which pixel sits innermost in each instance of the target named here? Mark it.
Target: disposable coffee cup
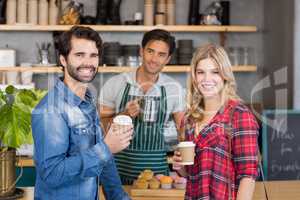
(187, 151)
(122, 122)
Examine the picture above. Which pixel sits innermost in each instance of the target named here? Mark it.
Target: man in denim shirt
(71, 155)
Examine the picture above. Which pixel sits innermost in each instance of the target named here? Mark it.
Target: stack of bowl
(185, 51)
(111, 53)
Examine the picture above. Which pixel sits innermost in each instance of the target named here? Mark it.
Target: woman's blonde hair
(219, 56)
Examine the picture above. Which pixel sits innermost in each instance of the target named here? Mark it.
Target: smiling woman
(223, 129)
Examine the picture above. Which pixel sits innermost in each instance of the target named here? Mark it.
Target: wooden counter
(277, 190)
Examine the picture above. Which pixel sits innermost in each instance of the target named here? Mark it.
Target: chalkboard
(281, 144)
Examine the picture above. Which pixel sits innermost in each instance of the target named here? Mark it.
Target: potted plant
(15, 129)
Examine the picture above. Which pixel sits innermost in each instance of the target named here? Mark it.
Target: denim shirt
(70, 155)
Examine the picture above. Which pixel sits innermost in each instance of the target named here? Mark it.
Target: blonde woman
(223, 129)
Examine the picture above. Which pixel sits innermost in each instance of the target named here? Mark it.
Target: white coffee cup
(122, 120)
(187, 152)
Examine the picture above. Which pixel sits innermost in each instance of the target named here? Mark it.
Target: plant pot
(7, 172)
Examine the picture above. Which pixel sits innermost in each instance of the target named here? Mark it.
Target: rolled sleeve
(245, 146)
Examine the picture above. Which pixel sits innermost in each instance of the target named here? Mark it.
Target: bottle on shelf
(160, 15)
(194, 17)
(160, 18)
(171, 7)
(22, 11)
(148, 12)
(32, 12)
(43, 12)
(53, 12)
(11, 11)
(161, 6)
(138, 18)
(101, 17)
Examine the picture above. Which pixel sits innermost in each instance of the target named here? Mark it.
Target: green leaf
(10, 89)
(15, 115)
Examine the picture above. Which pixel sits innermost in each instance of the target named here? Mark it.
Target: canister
(53, 12)
(43, 12)
(11, 11)
(22, 11)
(32, 12)
(148, 13)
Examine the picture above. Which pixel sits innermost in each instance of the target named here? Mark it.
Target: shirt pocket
(210, 136)
(83, 138)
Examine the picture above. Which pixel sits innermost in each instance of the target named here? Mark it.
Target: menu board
(281, 144)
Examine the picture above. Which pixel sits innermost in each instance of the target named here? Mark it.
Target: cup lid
(186, 144)
(122, 120)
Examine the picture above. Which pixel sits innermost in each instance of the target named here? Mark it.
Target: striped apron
(147, 149)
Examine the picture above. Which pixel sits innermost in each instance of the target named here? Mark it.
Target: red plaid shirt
(213, 170)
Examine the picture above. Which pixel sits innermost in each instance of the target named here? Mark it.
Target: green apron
(147, 149)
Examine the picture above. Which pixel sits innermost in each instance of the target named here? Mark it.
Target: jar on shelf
(64, 4)
(171, 7)
(233, 55)
(32, 17)
(148, 12)
(53, 12)
(71, 14)
(131, 55)
(138, 18)
(161, 6)
(11, 11)
(43, 12)
(22, 11)
(160, 18)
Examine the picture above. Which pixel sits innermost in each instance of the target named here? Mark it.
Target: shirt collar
(69, 96)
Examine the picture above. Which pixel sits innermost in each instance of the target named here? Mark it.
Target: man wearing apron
(151, 99)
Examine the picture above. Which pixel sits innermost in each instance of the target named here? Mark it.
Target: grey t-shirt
(112, 92)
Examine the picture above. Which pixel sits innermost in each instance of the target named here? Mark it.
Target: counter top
(277, 190)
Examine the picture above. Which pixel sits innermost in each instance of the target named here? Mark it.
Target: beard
(82, 73)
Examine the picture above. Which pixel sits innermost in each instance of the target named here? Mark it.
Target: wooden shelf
(25, 162)
(133, 28)
(112, 69)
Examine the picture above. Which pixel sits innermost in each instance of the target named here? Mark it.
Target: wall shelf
(133, 28)
(25, 162)
(112, 69)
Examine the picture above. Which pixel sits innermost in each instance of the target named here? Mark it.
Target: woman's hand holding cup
(177, 159)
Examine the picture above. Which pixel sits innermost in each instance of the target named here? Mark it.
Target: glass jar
(233, 56)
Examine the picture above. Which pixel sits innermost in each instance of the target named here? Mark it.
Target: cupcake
(159, 176)
(154, 183)
(141, 184)
(179, 183)
(166, 182)
(147, 174)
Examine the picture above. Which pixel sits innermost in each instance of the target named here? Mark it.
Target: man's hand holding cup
(119, 134)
